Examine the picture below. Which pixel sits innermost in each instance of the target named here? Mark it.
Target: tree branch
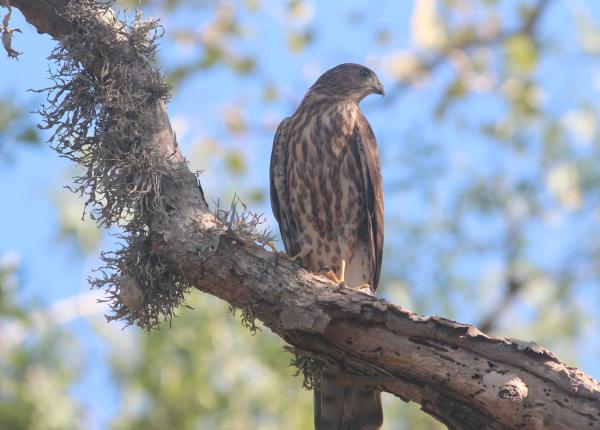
(455, 372)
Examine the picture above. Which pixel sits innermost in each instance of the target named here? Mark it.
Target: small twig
(7, 32)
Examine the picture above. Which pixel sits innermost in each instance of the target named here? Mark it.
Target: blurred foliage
(17, 127)
(205, 372)
(529, 179)
(492, 208)
(36, 363)
(75, 227)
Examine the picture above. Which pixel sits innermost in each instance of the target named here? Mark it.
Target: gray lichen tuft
(98, 110)
(247, 318)
(244, 223)
(140, 289)
(102, 109)
(306, 365)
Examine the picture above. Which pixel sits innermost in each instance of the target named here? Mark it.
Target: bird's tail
(340, 407)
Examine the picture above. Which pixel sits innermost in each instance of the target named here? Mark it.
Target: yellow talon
(329, 274)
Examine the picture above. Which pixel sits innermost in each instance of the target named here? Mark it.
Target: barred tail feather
(340, 407)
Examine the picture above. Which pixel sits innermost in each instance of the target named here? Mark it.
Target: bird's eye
(364, 73)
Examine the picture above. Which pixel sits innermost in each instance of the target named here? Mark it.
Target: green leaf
(235, 162)
(298, 41)
(521, 54)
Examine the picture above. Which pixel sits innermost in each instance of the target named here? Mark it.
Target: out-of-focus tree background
(490, 146)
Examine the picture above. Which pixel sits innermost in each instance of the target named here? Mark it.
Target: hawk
(327, 197)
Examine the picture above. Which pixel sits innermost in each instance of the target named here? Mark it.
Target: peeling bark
(457, 374)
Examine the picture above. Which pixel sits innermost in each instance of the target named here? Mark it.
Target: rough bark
(455, 372)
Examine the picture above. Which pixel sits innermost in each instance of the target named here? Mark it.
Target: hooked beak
(378, 88)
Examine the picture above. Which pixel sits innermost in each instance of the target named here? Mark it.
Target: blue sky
(53, 270)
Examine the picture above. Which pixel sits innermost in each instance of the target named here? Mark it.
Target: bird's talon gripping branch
(365, 288)
(330, 274)
(300, 255)
(274, 249)
(278, 254)
(283, 254)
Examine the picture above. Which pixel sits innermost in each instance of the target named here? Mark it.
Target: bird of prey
(327, 197)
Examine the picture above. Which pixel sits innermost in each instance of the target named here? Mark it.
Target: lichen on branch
(100, 107)
(98, 111)
(104, 109)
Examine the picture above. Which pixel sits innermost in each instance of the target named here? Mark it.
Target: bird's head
(347, 81)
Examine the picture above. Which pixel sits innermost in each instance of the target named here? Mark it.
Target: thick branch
(458, 374)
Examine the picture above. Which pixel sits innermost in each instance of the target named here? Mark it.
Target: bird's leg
(303, 253)
(341, 282)
(329, 274)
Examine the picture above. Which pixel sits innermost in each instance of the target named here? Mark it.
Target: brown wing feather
(373, 191)
(280, 189)
(275, 177)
